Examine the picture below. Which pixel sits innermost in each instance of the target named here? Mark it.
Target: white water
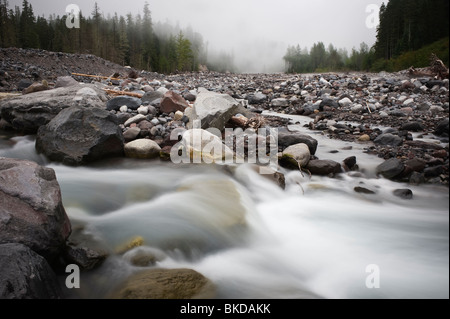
(254, 240)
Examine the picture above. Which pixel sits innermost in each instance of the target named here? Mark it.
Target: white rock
(123, 109)
(384, 114)
(408, 102)
(142, 148)
(163, 90)
(345, 102)
(178, 116)
(136, 119)
(143, 110)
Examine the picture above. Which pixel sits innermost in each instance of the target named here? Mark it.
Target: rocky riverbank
(78, 121)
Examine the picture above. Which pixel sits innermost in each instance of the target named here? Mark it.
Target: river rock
(257, 98)
(350, 162)
(324, 167)
(295, 156)
(389, 139)
(286, 139)
(390, 168)
(166, 284)
(412, 126)
(26, 275)
(142, 149)
(31, 210)
(173, 102)
(151, 97)
(131, 134)
(80, 135)
(116, 103)
(403, 193)
(443, 128)
(213, 110)
(28, 112)
(202, 146)
(280, 102)
(65, 81)
(328, 102)
(36, 87)
(23, 84)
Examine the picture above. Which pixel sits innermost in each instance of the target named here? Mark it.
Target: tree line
(130, 40)
(405, 26)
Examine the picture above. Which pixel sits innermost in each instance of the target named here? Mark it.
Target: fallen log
(95, 76)
(436, 69)
(117, 93)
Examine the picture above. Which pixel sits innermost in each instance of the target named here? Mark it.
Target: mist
(255, 34)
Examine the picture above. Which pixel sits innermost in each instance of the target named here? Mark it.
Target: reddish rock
(440, 154)
(173, 102)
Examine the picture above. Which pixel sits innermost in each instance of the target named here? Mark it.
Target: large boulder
(31, 210)
(28, 112)
(142, 149)
(166, 284)
(213, 110)
(173, 102)
(26, 275)
(80, 135)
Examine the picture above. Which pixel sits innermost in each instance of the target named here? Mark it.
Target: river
(315, 239)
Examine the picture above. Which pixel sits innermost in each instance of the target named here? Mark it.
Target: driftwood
(113, 92)
(436, 69)
(95, 76)
(244, 123)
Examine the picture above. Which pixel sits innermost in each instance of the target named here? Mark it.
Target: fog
(256, 32)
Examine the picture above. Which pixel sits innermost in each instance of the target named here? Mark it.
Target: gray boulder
(26, 275)
(80, 135)
(257, 98)
(213, 110)
(389, 139)
(28, 112)
(296, 155)
(65, 81)
(390, 168)
(32, 212)
(151, 97)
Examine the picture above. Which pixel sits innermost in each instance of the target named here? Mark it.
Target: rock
(408, 102)
(358, 108)
(28, 112)
(286, 139)
(144, 256)
(324, 167)
(123, 109)
(295, 156)
(417, 178)
(328, 102)
(166, 284)
(345, 102)
(415, 164)
(173, 102)
(131, 134)
(23, 84)
(32, 212)
(424, 145)
(143, 110)
(390, 168)
(412, 126)
(178, 116)
(364, 138)
(434, 171)
(150, 97)
(350, 162)
(65, 81)
(213, 110)
(388, 139)
(36, 87)
(116, 103)
(403, 193)
(363, 190)
(281, 102)
(80, 135)
(142, 149)
(26, 275)
(442, 128)
(135, 120)
(203, 146)
(257, 98)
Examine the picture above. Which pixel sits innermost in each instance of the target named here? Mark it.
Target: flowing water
(254, 240)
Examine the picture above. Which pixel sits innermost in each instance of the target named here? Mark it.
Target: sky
(257, 32)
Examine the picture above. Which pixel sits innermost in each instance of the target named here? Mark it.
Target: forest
(409, 31)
